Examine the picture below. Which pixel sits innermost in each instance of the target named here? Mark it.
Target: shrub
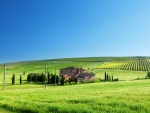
(35, 77)
(101, 79)
(40, 77)
(29, 77)
(116, 79)
(148, 74)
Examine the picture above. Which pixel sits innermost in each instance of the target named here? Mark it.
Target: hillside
(135, 66)
(127, 63)
(39, 65)
(117, 63)
(104, 97)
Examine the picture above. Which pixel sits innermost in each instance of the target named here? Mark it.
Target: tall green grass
(114, 97)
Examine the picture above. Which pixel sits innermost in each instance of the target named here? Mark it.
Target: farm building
(79, 73)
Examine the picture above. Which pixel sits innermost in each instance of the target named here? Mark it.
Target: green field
(129, 94)
(114, 97)
(128, 63)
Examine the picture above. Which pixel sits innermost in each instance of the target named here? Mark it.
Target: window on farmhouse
(61, 71)
(70, 71)
(66, 71)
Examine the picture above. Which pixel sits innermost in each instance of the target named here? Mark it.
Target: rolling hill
(127, 63)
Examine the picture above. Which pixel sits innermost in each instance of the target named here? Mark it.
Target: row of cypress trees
(13, 79)
(108, 77)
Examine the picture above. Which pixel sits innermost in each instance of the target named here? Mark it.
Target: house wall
(68, 72)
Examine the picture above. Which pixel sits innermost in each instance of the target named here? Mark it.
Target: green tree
(76, 80)
(52, 79)
(62, 80)
(20, 79)
(24, 73)
(69, 80)
(148, 74)
(48, 77)
(35, 78)
(57, 79)
(105, 76)
(42, 77)
(13, 79)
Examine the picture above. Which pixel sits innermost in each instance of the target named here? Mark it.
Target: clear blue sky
(45, 29)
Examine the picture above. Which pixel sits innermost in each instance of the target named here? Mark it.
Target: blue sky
(46, 29)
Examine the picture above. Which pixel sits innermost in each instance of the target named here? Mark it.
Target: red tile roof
(72, 68)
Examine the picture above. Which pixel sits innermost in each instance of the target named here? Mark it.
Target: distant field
(111, 65)
(128, 63)
(130, 94)
(39, 66)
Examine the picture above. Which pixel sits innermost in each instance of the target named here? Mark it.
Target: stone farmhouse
(79, 73)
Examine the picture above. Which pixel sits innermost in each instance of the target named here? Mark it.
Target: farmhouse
(79, 73)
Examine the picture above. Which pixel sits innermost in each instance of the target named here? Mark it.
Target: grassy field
(127, 63)
(129, 95)
(105, 97)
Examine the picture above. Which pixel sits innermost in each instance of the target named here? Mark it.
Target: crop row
(132, 63)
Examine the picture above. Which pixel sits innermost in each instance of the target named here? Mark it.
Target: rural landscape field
(74, 56)
(129, 94)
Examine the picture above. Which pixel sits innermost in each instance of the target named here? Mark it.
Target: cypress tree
(13, 79)
(42, 77)
(69, 80)
(30, 78)
(48, 77)
(52, 79)
(20, 79)
(24, 73)
(57, 79)
(109, 78)
(105, 76)
(76, 80)
(112, 78)
(62, 80)
(35, 78)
